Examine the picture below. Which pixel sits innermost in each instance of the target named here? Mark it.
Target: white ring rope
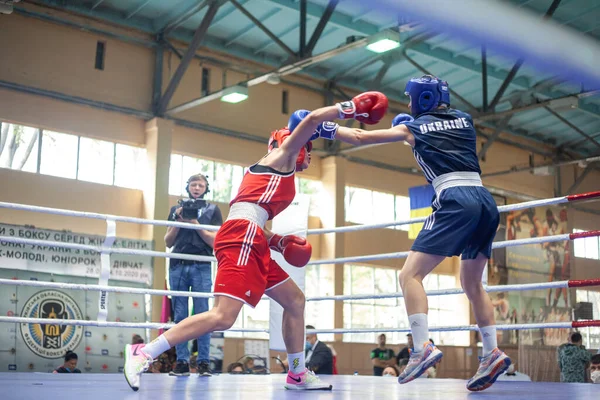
(151, 325)
(371, 257)
(112, 324)
(547, 325)
(404, 254)
(85, 214)
(445, 292)
(506, 208)
(175, 293)
(102, 249)
(82, 214)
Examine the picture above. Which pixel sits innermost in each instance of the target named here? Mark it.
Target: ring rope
(84, 214)
(372, 257)
(93, 215)
(506, 208)
(496, 245)
(152, 325)
(174, 293)
(102, 249)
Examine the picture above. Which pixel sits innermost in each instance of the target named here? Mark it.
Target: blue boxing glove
(402, 119)
(325, 130)
(295, 119)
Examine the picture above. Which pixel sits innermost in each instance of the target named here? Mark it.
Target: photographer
(186, 274)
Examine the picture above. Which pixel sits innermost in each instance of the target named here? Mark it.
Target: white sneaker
(136, 362)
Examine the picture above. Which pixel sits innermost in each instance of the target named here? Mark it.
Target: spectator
(319, 358)
(248, 365)
(137, 339)
(391, 371)
(511, 374)
(185, 274)
(405, 353)
(235, 368)
(382, 357)
(70, 365)
(595, 369)
(572, 360)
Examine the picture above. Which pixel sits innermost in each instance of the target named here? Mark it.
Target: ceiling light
(234, 94)
(387, 41)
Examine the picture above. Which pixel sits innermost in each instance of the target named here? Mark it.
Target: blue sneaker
(420, 362)
(490, 368)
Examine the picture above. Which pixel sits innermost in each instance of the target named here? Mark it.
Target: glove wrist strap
(346, 109)
(275, 242)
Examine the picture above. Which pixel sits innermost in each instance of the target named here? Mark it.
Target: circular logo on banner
(50, 340)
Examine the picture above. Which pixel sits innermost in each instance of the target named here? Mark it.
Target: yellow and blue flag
(420, 206)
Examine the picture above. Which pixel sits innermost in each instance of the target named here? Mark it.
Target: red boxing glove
(368, 107)
(296, 250)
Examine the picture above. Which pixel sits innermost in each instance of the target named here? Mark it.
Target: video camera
(189, 208)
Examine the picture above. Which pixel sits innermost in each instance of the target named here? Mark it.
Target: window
(96, 161)
(100, 51)
(224, 179)
(314, 189)
(19, 147)
(318, 281)
(71, 156)
(591, 336)
(284, 102)
(205, 88)
(391, 313)
(363, 206)
(252, 318)
(59, 154)
(130, 166)
(586, 247)
(382, 313)
(446, 310)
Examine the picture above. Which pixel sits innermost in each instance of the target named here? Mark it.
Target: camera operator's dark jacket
(188, 241)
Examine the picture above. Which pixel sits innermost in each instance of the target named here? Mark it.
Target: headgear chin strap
(277, 138)
(426, 94)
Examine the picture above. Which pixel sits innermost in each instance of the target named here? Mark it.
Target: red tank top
(274, 191)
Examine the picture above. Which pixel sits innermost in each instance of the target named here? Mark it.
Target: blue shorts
(464, 221)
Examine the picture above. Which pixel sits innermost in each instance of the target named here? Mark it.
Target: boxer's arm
(360, 137)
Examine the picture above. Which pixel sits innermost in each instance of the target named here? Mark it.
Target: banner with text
(41, 347)
(57, 260)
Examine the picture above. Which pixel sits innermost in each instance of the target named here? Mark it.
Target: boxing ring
(161, 386)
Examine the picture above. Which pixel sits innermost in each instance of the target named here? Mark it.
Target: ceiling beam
(321, 26)
(137, 9)
(533, 106)
(469, 64)
(580, 178)
(493, 137)
(287, 69)
(573, 126)
(515, 69)
(263, 28)
(188, 56)
(338, 19)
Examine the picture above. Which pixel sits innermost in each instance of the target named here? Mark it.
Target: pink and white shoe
(136, 362)
(490, 368)
(306, 380)
(420, 362)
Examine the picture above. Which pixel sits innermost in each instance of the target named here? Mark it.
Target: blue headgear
(426, 93)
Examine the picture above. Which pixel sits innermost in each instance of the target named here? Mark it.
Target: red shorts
(244, 265)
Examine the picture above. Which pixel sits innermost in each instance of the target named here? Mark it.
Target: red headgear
(277, 138)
